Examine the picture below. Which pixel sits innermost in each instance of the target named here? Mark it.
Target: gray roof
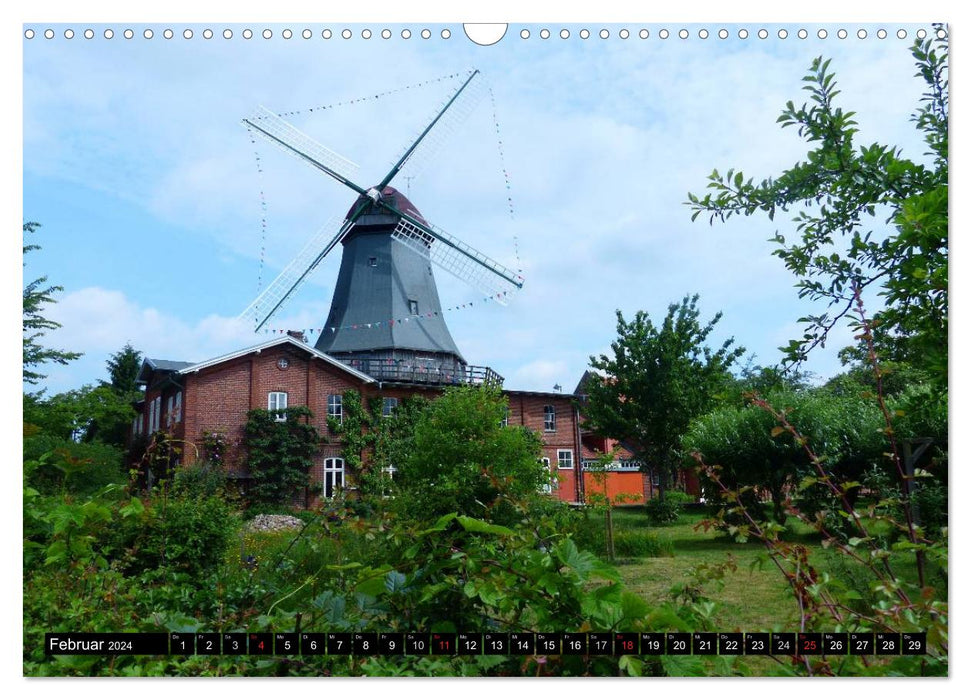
(167, 365)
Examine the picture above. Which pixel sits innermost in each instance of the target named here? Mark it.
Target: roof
(396, 199)
(286, 339)
(547, 394)
(150, 365)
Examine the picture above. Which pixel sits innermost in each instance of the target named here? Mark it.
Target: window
(504, 421)
(277, 401)
(154, 414)
(564, 459)
(548, 486)
(141, 424)
(389, 407)
(412, 307)
(178, 407)
(335, 407)
(549, 419)
(655, 478)
(333, 476)
(169, 412)
(372, 262)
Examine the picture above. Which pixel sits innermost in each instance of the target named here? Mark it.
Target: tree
(123, 368)
(869, 217)
(463, 460)
(87, 414)
(753, 452)
(36, 297)
(657, 381)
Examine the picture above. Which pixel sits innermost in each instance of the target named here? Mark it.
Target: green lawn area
(751, 600)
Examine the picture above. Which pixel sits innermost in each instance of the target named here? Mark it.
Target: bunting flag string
(367, 98)
(505, 175)
(263, 211)
(379, 324)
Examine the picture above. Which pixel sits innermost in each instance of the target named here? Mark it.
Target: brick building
(187, 399)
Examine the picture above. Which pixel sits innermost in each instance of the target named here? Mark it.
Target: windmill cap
(401, 203)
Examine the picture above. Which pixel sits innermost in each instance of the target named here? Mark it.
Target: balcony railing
(424, 372)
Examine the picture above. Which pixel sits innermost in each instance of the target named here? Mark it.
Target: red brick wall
(218, 398)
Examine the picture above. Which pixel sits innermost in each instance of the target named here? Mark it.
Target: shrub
(182, 534)
(199, 481)
(81, 468)
(662, 512)
(634, 543)
(679, 497)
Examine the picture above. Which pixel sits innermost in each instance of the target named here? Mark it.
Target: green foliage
(638, 543)
(87, 414)
(657, 380)
(36, 298)
(844, 191)
(67, 466)
(199, 480)
(279, 453)
(214, 446)
(662, 512)
(186, 534)
(753, 452)
(462, 460)
(123, 368)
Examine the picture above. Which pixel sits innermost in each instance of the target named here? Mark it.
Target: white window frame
(548, 486)
(335, 407)
(389, 405)
(504, 421)
(273, 400)
(333, 475)
(169, 411)
(561, 460)
(178, 407)
(549, 418)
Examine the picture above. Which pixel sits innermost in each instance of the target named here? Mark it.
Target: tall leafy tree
(656, 380)
(462, 459)
(865, 218)
(123, 367)
(37, 295)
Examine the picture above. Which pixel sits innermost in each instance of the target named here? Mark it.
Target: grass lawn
(751, 600)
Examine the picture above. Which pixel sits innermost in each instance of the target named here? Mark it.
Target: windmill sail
(459, 259)
(291, 140)
(273, 298)
(457, 112)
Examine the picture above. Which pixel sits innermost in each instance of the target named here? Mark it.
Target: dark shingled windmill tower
(385, 318)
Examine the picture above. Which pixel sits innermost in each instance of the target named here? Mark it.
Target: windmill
(385, 317)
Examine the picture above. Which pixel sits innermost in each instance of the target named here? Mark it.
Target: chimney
(298, 335)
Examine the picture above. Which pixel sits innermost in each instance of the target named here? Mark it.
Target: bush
(679, 497)
(199, 481)
(634, 543)
(182, 534)
(663, 512)
(81, 468)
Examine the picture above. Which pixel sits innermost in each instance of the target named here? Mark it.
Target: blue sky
(146, 184)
